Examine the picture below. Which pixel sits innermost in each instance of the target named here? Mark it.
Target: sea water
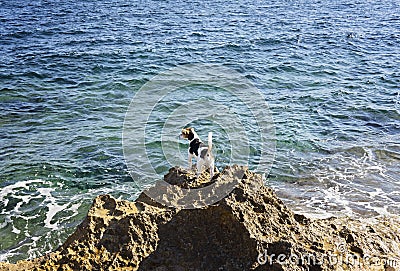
(329, 71)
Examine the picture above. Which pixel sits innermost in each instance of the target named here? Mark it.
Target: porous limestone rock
(249, 229)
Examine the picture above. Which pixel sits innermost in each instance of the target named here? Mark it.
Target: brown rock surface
(236, 233)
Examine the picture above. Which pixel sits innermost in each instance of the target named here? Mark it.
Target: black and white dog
(198, 149)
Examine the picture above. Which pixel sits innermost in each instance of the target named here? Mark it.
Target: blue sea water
(329, 71)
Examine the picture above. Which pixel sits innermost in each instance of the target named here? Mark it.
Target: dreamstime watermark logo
(339, 258)
(237, 91)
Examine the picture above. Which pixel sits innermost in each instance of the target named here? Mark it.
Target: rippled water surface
(68, 70)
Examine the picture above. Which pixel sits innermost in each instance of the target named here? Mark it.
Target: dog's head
(187, 133)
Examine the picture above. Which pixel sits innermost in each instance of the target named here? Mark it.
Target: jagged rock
(249, 229)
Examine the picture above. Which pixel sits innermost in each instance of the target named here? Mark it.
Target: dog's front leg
(190, 157)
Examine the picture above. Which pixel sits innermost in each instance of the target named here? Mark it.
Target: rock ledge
(247, 230)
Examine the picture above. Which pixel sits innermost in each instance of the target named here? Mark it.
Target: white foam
(53, 207)
(15, 230)
(43, 194)
(53, 210)
(3, 225)
(382, 211)
(10, 188)
(378, 191)
(348, 183)
(4, 257)
(74, 208)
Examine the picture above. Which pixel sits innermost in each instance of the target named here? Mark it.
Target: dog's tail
(209, 142)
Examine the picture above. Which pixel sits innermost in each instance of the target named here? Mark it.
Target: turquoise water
(68, 70)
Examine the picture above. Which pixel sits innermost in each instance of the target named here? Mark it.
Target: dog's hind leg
(200, 164)
(211, 170)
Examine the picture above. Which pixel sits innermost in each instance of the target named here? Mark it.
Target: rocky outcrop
(249, 229)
